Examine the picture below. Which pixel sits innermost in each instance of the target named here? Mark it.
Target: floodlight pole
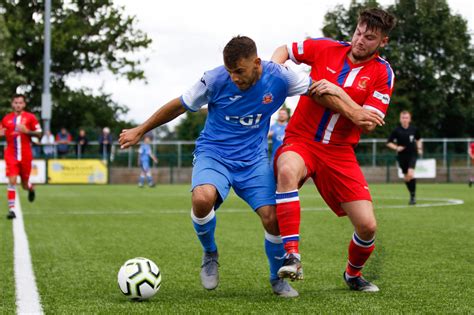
(46, 96)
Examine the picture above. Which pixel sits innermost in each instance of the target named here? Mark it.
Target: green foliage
(8, 75)
(192, 124)
(87, 36)
(88, 110)
(431, 53)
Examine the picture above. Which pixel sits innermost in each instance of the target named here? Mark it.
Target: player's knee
(203, 200)
(287, 175)
(270, 223)
(367, 230)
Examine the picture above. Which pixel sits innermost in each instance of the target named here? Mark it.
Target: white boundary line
(27, 297)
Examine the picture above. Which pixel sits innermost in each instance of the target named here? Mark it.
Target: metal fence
(370, 152)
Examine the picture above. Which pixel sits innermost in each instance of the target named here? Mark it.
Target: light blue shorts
(254, 182)
(145, 165)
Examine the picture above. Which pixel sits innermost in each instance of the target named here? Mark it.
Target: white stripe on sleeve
(298, 83)
(196, 96)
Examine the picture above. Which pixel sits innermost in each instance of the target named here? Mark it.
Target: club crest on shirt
(267, 98)
(362, 85)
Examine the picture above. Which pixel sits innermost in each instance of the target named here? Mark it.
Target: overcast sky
(189, 36)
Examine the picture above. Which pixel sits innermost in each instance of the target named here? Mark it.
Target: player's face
(405, 120)
(366, 42)
(18, 104)
(282, 116)
(245, 73)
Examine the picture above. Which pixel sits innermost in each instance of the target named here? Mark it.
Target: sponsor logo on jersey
(382, 97)
(267, 98)
(362, 85)
(252, 121)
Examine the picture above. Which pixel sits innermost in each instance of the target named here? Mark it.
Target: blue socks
(275, 254)
(205, 228)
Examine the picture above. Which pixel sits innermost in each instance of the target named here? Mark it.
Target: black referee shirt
(405, 138)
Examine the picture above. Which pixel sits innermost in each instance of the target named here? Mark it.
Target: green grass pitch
(80, 235)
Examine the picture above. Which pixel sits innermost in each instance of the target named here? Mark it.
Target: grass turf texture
(80, 235)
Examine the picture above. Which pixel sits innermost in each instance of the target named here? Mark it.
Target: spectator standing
(63, 139)
(47, 141)
(105, 144)
(82, 143)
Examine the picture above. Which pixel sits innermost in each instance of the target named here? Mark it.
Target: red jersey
(18, 143)
(369, 84)
(472, 148)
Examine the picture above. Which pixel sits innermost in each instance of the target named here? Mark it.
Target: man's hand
(324, 87)
(2, 131)
(22, 128)
(129, 137)
(366, 119)
(400, 148)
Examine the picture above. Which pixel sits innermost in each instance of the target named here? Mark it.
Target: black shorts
(406, 162)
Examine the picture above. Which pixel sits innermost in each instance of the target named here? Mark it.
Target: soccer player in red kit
(18, 127)
(319, 141)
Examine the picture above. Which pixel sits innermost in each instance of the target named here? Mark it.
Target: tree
(190, 127)
(431, 53)
(8, 73)
(89, 111)
(87, 36)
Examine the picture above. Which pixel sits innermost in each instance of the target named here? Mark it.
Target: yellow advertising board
(87, 171)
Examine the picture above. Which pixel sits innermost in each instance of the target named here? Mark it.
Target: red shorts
(15, 168)
(334, 170)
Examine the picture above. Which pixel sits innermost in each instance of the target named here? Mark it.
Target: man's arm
(25, 130)
(280, 55)
(335, 98)
(165, 114)
(419, 147)
(395, 147)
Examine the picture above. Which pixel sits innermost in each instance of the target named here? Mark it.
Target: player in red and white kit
(320, 140)
(18, 127)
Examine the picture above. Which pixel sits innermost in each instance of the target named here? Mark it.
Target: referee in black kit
(405, 140)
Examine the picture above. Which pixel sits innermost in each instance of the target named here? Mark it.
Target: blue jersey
(144, 151)
(277, 136)
(238, 121)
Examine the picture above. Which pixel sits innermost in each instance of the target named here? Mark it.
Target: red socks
(288, 213)
(359, 252)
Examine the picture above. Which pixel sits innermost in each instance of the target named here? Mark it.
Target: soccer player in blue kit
(277, 131)
(232, 150)
(145, 153)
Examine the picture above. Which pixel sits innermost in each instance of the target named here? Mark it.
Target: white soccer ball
(139, 278)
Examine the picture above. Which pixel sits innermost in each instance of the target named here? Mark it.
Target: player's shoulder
(274, 69)
(329, 42)
(29, 114)
(383, 65)
(214, 76)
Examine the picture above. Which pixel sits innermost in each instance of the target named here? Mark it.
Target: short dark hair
(16, 95)
(239, 47)
(379, 19)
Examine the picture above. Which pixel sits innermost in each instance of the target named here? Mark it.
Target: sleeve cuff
(186, 106)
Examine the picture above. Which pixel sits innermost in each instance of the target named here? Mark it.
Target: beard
(359, 56)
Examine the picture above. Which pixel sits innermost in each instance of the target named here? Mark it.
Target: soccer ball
(139, 278)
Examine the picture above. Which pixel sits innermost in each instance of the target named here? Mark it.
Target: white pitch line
(27, 297)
